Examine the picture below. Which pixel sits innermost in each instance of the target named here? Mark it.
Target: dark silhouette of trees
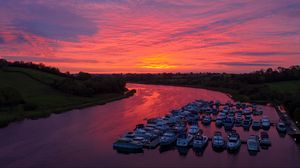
(92, 86)
(40, 67)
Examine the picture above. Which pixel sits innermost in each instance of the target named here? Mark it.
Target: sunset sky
(112, 36)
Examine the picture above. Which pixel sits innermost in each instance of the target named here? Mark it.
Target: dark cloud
(2, 40)
(282, 33)
(226, 23)
(254, 53)
(207, 44)
(48, 59)
(247, 64)
(55, 22)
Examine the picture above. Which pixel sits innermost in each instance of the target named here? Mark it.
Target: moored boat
(265, 123)
(246, 124)
(194, 129)
(228, 123)
(264, 139)
(219, 122)
(256, 125)
(206, 120)
(218, 142)
(183, 140)
(200, 141)
(128, 145)
(281, 127)
(168, 138)
(253, 143)
(234, 141)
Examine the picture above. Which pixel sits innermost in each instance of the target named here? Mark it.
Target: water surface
(83, 138)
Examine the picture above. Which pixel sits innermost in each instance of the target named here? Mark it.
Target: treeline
(41, 67)
(85, 84)
(257, 77)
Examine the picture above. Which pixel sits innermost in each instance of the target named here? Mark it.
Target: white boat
(228, 123)
(219, 122)
(140, 132)
(218, 141)
(281, 127)
(127, 144)
(265, 123)
(247, 111)
(194, 129)
(162, 127)
(129, 135)
(183, 140)
(257, 112)
(200, 141)
(239, 122)
(168, 138)
(264, 139)
(256, 125)
(234, 141)
(180, 128)
(246, 124)
(206, 120)
(253, 143)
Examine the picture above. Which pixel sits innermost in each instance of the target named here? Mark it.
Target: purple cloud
(254, 53)
(49, 59)
(247, 64)
(54, 22)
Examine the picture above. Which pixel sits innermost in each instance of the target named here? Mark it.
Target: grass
(47, 99)
(46, 78)
(286, 86)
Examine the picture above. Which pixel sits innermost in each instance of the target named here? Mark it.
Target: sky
(139, 36)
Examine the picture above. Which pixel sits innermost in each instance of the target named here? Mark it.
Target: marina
(182, 128)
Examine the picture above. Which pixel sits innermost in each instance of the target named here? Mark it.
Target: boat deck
(153, 144)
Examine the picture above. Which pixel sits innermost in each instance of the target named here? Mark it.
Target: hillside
(33, 85)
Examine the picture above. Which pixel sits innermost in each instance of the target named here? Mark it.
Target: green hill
(33, 85)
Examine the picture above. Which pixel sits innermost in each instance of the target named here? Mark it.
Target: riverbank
(7, 117)
(27, 93)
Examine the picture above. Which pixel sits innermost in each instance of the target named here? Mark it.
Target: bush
(29, 107)
(10, 97)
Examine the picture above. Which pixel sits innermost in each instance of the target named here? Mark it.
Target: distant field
(286, 86)
(45, 97)
(42, 76)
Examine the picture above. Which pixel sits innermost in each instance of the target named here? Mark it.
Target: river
(84, 137)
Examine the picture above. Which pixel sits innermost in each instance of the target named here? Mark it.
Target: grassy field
(286, 86)
(47, 99)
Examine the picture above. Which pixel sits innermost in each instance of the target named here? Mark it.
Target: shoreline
(48, 113)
